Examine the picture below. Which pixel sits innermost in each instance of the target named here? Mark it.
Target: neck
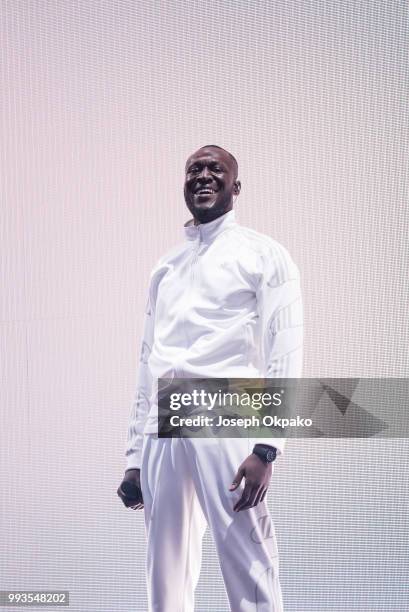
(207, 232)
(210, 217)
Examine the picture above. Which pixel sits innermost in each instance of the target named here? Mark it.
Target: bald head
(226, 153)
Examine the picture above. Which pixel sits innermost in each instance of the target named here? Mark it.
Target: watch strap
(265, 453)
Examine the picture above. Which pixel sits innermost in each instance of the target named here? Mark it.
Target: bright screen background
(101, 103)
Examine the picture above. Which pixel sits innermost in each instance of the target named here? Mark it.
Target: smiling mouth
(205, 191)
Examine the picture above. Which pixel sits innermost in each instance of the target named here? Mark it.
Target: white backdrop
(102, 101)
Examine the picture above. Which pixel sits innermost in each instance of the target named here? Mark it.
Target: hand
(133, 477)
(257, 478)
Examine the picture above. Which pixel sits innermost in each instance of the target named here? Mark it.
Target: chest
(212, 277)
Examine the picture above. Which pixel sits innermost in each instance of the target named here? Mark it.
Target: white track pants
(185, 483)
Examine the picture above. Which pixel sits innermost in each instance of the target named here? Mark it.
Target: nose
(205, 175)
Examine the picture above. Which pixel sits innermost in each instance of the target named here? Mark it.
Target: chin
(204, 206)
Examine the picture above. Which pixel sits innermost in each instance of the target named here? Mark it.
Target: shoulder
(163, 265)
(170, 256)
(269, 253)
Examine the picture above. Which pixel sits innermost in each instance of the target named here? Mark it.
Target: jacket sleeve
(280, 310)
(141, 403)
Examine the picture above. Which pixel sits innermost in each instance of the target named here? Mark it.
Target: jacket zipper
(193, 263)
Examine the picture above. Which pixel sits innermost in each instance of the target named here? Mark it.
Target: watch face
(270, 456)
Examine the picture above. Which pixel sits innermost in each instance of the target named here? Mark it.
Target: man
(226, 303)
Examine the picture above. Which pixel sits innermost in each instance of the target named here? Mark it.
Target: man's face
(210, 183)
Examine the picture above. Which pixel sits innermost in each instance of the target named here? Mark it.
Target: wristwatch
(265, 453)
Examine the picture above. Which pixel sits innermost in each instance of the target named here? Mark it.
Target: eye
(192, 169)
(217, 168)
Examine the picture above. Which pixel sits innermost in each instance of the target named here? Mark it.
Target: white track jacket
(224, 304)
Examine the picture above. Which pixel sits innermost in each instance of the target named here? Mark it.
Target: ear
(237, 187)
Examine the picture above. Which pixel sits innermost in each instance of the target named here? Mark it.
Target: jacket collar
(207, 232)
